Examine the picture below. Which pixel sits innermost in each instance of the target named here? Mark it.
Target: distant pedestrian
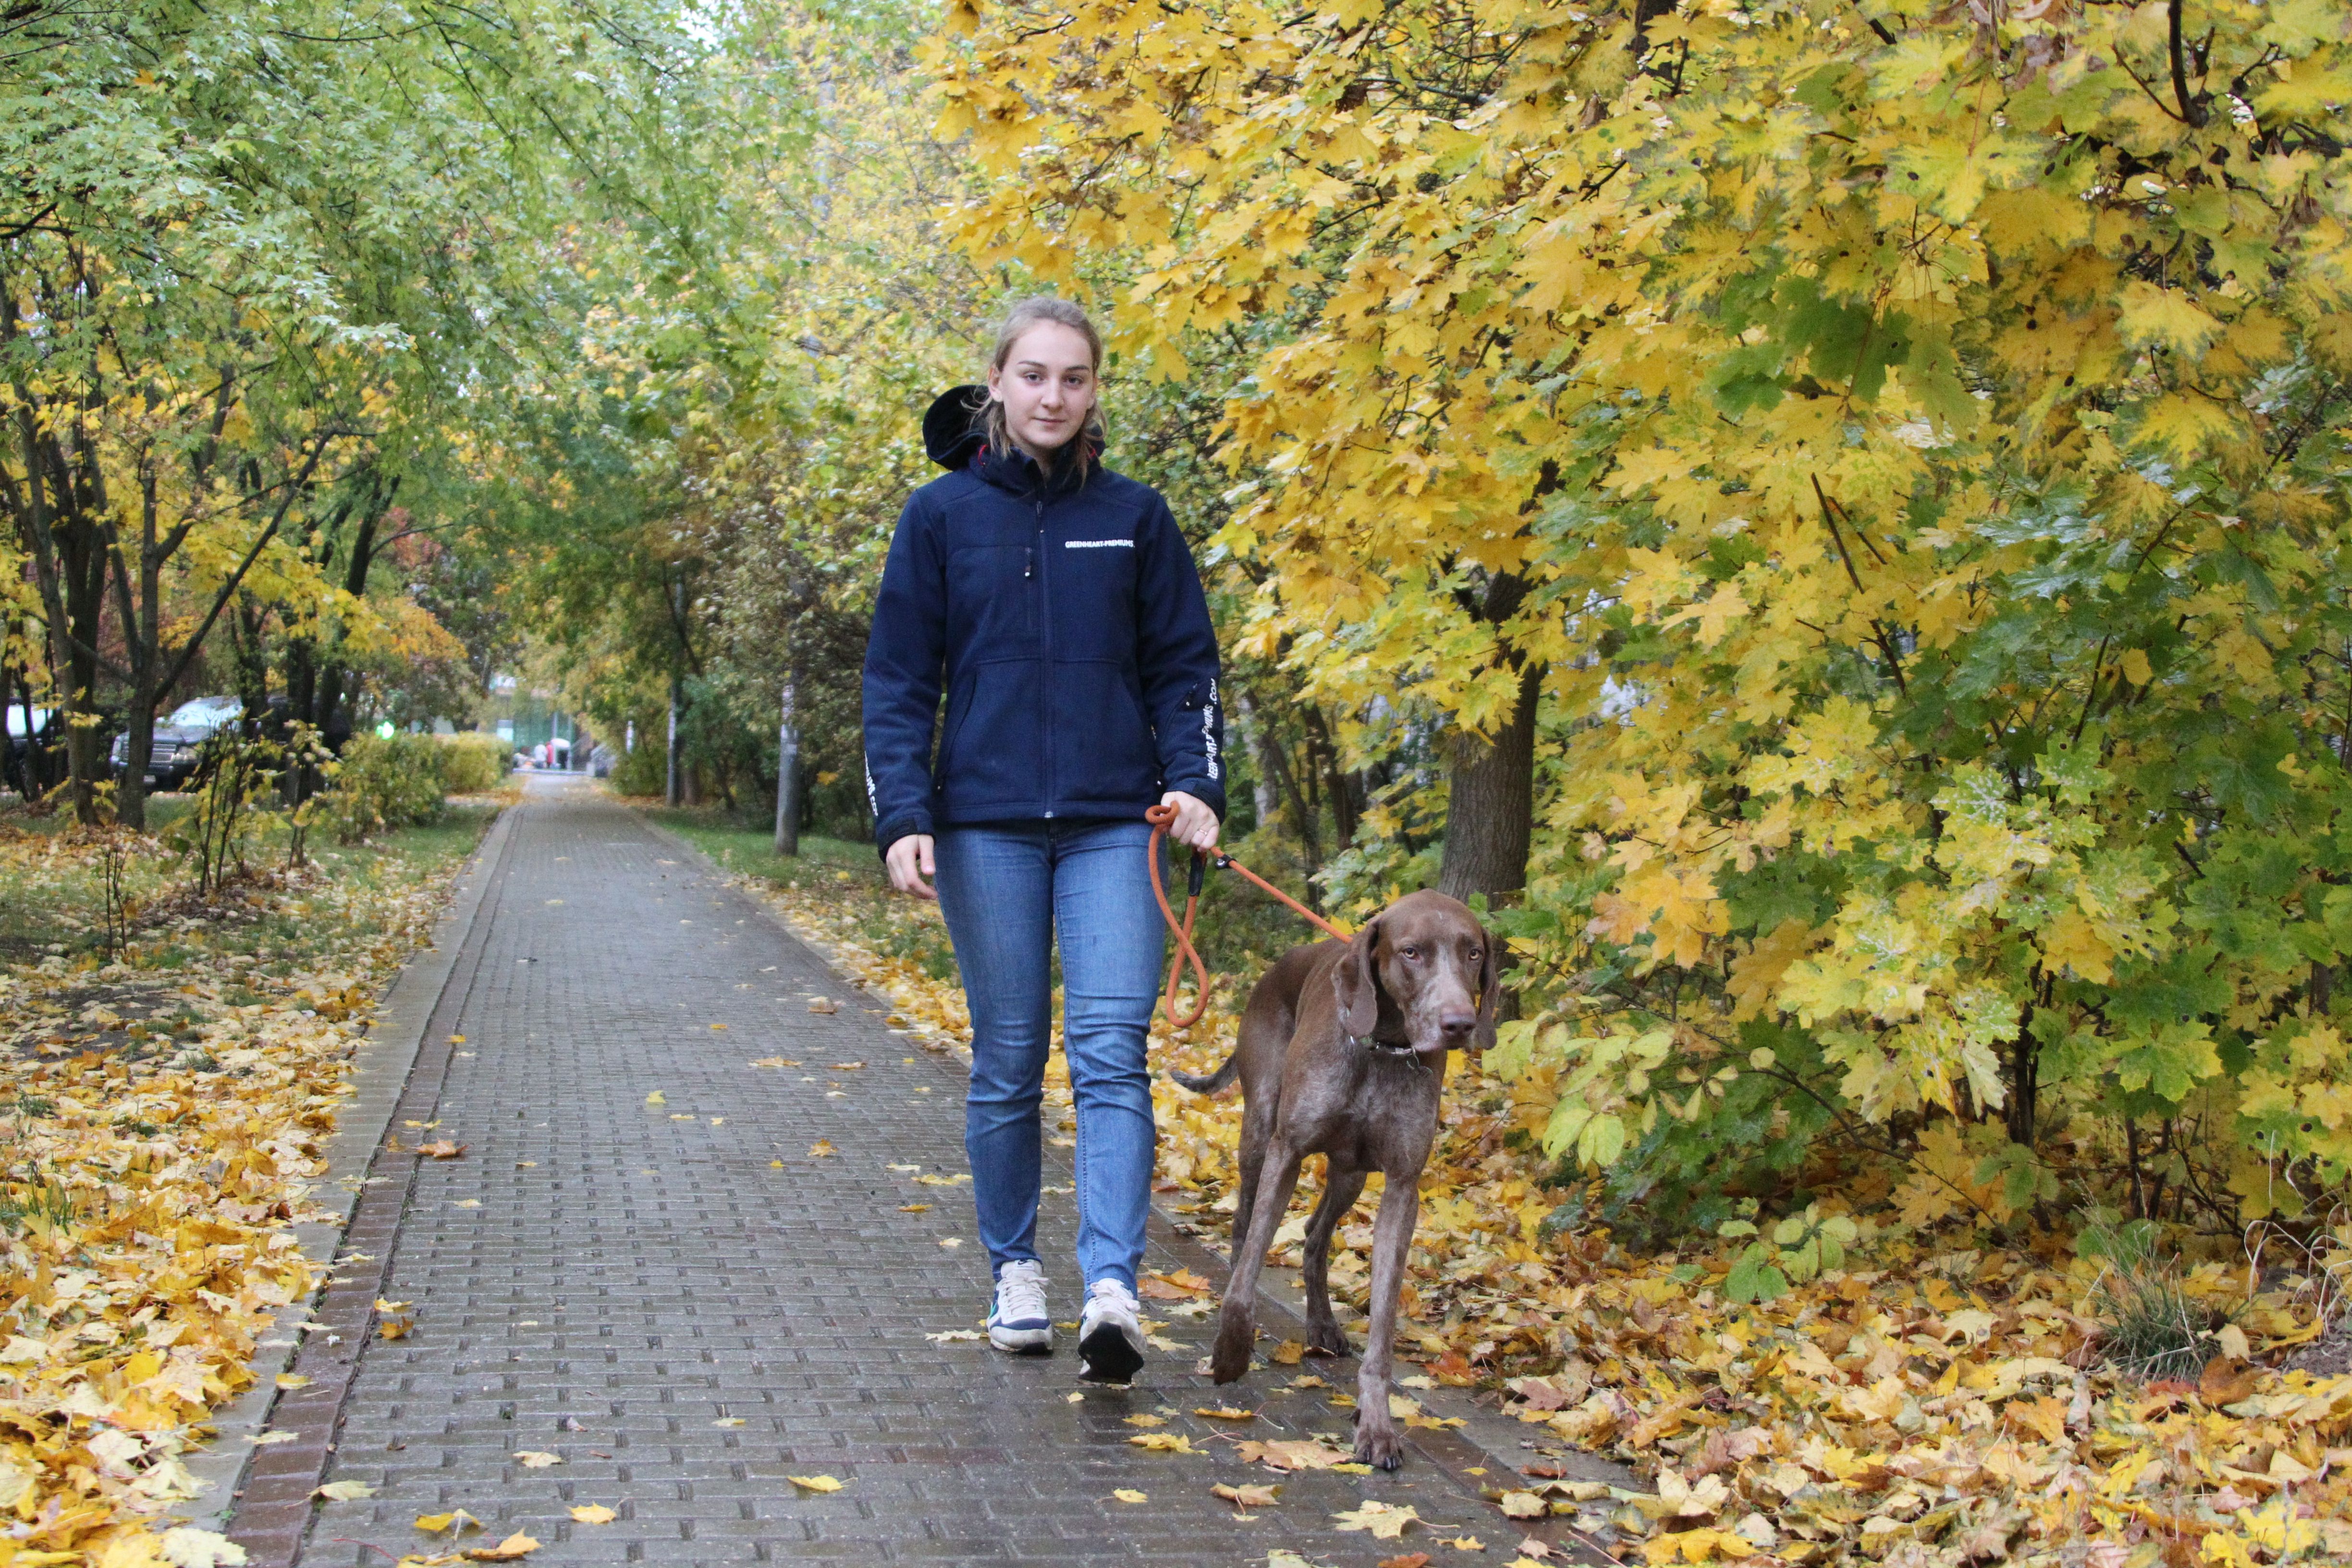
(1057, 606)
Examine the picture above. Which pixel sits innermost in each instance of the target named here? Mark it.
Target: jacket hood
(951, 431)
(952, 434)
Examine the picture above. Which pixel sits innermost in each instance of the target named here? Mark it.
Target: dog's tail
(1214, 1082)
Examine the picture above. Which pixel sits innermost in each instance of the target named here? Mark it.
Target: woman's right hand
(910, 861)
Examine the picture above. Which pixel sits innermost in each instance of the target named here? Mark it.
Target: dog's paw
(1380, 1448)
(1325, 1338)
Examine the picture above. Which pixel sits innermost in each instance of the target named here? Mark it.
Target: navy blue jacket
(1065, 624)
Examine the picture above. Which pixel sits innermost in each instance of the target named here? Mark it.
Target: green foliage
(472, 762)
(645, 769)
(1799, 1249)
(383, 783)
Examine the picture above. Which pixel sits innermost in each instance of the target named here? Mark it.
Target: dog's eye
(1408, 951)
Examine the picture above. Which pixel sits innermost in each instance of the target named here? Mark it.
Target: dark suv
(178, 739)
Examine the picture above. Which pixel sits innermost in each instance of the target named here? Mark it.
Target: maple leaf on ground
(593, 1514)
(1291, 1454)
(822, 1149)
(344, 1491)
(186, 1546)
(1180, 1286)
(817, 1483)
(442, 1148)
(534, 1459)
(1384, 1521)
(1705, 1544)
(1129, 1494)
(1163, 1443)
(1246, 1496)
(517, 1545)
(435, 1523)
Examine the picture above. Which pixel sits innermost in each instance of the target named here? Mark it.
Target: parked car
(47, 730)
(180, 738)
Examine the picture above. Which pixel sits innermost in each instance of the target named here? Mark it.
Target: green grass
(750, 847)
(52, 902)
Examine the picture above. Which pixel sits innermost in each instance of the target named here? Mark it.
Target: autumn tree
(1909, 440)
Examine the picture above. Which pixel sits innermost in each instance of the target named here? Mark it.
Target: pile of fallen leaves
(161, 1112)
(1937, 1400)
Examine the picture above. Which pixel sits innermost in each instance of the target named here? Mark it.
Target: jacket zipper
(1045, 623)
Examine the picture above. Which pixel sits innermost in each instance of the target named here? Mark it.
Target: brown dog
(1342, 1053)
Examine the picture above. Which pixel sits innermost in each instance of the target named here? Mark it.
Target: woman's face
(1047, 386)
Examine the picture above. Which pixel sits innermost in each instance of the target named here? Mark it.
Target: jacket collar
(1019, 473)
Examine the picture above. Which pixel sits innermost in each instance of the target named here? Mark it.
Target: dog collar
(1374, 1043)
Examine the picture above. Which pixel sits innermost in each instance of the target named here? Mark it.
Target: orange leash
(1160, 816)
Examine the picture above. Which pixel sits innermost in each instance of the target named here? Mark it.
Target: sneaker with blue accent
(1017, 1322)
(1111, 1334)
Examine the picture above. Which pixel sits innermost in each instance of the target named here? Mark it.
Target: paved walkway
(691, 1279)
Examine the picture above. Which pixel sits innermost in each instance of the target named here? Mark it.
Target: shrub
(383, 784)
(472, 762)
(645, 771)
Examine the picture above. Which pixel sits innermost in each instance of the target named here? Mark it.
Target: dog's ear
(1490, 991)
(1356, 984)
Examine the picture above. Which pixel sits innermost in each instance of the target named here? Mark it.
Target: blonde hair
(1027, 313)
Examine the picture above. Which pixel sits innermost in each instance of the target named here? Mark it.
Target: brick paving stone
(687, 1304)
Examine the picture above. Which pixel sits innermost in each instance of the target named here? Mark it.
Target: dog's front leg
(1377, 1441)
(1340, 1191)
(1237, 1322)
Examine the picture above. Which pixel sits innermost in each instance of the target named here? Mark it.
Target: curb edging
(385, 1057)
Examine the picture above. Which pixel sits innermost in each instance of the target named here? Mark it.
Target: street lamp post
(788, 780)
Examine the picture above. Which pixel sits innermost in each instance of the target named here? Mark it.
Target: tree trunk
(1262, 787)
(1490, 801)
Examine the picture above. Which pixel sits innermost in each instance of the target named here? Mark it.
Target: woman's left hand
(1195, 823)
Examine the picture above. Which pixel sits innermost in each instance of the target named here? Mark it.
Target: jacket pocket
(991, 756)
(1103, 749)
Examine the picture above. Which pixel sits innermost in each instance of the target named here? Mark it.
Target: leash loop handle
(1161, 817)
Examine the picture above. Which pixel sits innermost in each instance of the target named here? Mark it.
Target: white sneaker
(1017, 1322)
(1111, 1334)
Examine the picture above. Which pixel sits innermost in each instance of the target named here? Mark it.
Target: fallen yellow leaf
(593, 1514)
(507, 1551)
(1385, 1522)
(816, 1483)
(1128, 1494)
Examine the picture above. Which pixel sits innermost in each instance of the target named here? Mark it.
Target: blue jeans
(1007, 889)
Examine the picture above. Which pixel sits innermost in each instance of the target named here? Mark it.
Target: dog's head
(1429, 956)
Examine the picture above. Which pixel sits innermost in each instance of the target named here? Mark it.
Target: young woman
(1055, 605)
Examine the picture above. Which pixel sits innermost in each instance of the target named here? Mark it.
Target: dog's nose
(1457, 1023)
